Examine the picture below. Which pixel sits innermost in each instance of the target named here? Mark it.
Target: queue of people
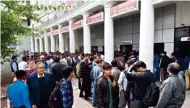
(44, 81)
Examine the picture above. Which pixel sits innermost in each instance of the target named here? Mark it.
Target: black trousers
(137, 104)
(79, 82)
(86, 86)
(43, 105)
(75, 70)
(163, 74)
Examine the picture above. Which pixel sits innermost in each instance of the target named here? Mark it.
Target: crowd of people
(44, 80)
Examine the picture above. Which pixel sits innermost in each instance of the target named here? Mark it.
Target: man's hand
(34, 106)
(114, 84)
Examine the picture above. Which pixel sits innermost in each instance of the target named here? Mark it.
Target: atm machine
(185, 46)
(182, 41)
(126, 46)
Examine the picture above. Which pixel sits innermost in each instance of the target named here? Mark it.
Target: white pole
(146, 44)
(108, 34)
(86, 33)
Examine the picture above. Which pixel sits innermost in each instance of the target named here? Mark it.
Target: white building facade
(107, 26)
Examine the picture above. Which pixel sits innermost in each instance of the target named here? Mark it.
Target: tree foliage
(12, 14)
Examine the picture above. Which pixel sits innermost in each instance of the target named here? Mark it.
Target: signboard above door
(125, 8)
(96, 18)
(126, 42)
(77, 24)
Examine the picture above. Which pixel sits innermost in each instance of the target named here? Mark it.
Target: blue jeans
(181, 75)
(94, 93)
(156, 73)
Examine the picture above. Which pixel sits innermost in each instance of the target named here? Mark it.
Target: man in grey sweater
(172, 93)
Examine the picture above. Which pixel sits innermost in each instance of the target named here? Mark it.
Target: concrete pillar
(41, 44)
(108, 34)
(146, 44)
(46, 43)
(52, 43)
(71, 38)
(36, 45)
(56, 42)
(66, 40)
(61, 41)
(32, 44)
(86, 35)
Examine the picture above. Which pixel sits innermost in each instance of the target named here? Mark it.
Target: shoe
(81, 95)
(87, 98)
(94, 105)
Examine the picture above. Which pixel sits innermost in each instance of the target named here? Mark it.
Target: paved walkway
(81, 103)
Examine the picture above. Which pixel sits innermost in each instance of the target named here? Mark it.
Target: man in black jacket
(165, 60)
(105, 89)
(85, 68)
(141, 81)
(56, 69)
(40, 86)
(14, 65)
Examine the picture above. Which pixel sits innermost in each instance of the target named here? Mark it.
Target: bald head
(173, 68)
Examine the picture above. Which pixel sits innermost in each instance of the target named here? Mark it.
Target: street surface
(80, 102)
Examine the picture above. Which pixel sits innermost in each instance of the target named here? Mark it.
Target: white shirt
(48, 62)
(122, 81)
(40, 76)
(64, 61)
(14, 66)
(51, 60)
(22, 65)
(102, 57)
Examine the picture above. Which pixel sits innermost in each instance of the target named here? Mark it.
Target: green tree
(12, 14)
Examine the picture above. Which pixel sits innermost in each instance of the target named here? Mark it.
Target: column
(41, 44)
(36, 45)
(66, 43)
(108, 34)
(71, 38)
(52, 43)
(146, 44)
(32, 44)
(61, 41)
(86, 34)
(46, 43)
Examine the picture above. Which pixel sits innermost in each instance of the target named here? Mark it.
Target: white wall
(97, 34)
(25, 44)
(56, 42)
(128, 28)
(66, 41)
(182, 13)
(79, 38)
(49, 43)
(164, 26)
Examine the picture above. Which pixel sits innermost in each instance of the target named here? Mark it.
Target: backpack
(151, 96)
(55, 100)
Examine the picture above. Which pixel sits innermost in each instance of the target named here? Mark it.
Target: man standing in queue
(85, 68)
(40, 86)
